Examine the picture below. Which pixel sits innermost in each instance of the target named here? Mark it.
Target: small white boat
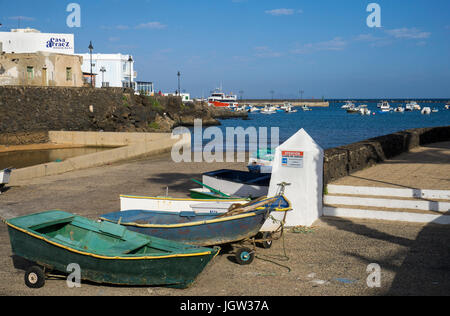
(305, 108)
(167, 204)
(385, 106)
(269, 110)
(354, 109)
(348, 105)
(288, 108)
(253, 109)
(414, 105)
(426, 110)
(447, 107)
(434, 110)
(363, 110)
(399, 109)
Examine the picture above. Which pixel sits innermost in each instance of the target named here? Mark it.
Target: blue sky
(323, 47)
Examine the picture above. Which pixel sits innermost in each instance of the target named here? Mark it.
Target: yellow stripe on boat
(106, 257)
(180, 199)
(211, 221)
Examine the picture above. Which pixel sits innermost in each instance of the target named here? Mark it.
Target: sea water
(332, 126)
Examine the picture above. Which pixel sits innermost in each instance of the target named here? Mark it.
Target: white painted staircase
(392, 204)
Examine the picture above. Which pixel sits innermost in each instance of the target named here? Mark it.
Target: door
(44, 76)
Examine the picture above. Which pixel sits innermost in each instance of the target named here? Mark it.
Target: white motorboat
(269, 110)
(305, 108)
(354, 110)
(363, 110)
(385, 106)
(288, 108)
(253, 109)
(426, 110)
(434, 110)
(348, 105)
(447, 107)
(399, 109)
(414, 105)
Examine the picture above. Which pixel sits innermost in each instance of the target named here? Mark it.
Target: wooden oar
(212, 189)
(249, 207)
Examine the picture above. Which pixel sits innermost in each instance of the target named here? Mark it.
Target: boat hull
(201, 231)
(174, 270)
(129, 202)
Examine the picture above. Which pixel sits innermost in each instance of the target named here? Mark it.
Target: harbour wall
(27, 113)
(263, 102)
(344, 160)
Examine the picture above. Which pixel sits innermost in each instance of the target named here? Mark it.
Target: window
(68, 74)
(30, 72)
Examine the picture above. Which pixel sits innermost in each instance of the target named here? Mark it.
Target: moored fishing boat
(105, 252)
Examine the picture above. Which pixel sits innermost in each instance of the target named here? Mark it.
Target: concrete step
(388, 214)
(442, 206)
(392, 192)
(391, 204)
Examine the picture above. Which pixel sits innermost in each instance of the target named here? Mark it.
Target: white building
(111, 70)
(31, 41)
(185, 97)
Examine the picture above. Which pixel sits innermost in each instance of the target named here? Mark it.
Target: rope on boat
(274, 258)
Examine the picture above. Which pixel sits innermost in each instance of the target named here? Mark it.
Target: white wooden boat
(167, 204)
(426, 110)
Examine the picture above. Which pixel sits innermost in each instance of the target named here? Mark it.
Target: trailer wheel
(267, 243)
(34, 277)
(245, 256)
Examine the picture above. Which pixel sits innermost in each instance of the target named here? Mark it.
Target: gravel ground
(330, 258)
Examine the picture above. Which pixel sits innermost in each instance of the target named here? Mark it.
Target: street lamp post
(179, 87)
(103, 69)
(91, 48)
(130, 60)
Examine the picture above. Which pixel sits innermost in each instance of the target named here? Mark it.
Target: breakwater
(344, 160)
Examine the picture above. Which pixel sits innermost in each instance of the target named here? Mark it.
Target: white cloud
(336, 44)
(151, 25)
(408, 33)
(22, 18)
(279, 12)
(266, 52)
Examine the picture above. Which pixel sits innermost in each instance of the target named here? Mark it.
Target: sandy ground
(329, 259)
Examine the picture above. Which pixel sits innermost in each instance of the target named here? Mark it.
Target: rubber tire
(244, 256)
(268, 243)
(265, 244)
(34, 277)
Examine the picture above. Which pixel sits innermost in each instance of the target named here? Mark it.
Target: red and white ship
(220, 99)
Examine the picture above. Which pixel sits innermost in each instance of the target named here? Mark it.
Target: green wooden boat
(106, 252)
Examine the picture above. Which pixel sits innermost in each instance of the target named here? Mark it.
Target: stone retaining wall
(344, 160)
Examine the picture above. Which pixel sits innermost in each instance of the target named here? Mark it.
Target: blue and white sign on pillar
(298, 161)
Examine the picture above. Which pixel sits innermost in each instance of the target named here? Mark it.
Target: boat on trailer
(105, 252)
(239, 224)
